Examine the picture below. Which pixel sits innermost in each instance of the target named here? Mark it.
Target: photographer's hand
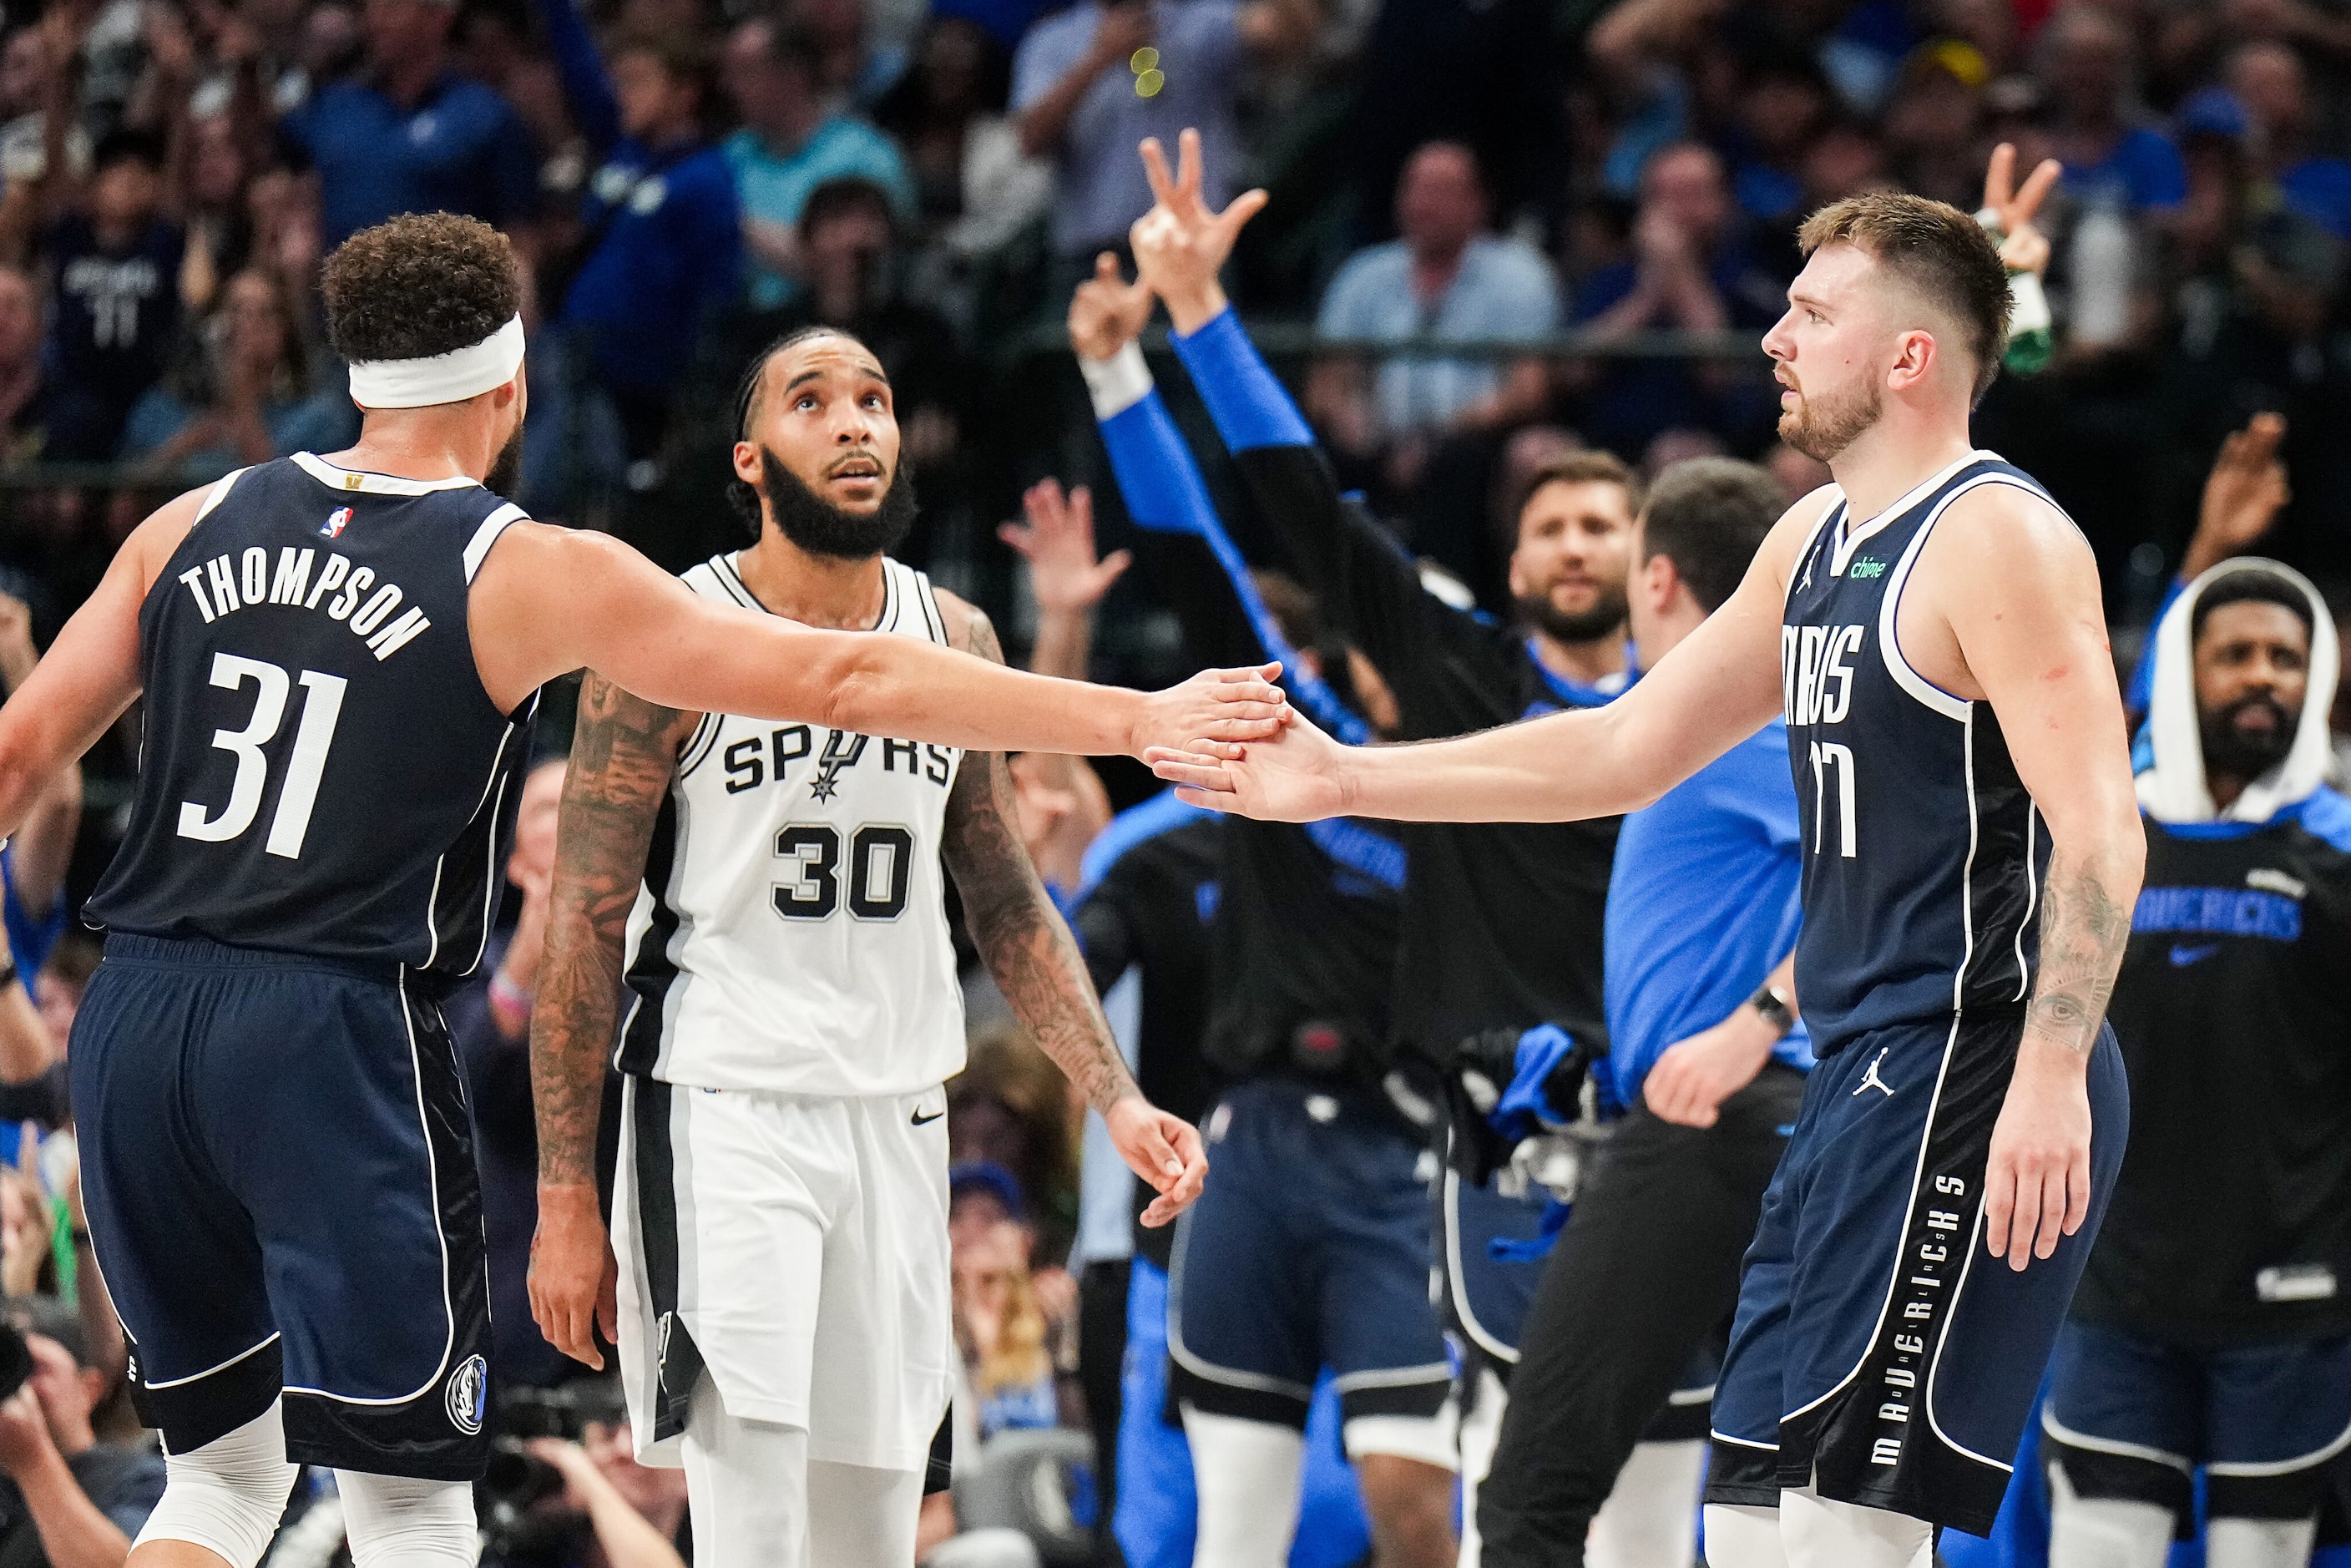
(75, 1533)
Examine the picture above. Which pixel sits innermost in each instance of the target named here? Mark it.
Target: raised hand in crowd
(1061, 802)
(1181, 243)
(2242, 495)
(1107, 312)
(2013, 209)
(620, 1498)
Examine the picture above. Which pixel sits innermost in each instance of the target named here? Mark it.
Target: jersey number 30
(306, 762)
(880, 865)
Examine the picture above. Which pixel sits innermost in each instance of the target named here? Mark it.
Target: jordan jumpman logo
(1870, 1080)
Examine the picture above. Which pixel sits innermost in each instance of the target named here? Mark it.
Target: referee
(1707, 1055)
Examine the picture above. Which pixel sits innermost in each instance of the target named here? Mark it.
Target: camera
(518, 1481)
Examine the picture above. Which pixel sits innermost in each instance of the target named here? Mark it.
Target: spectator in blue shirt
(2269, 81)
(660, 242)
(794, 138)
(410, 135)
(1445, 276)
(2087, 62)
(1080, 98)
(114, 310)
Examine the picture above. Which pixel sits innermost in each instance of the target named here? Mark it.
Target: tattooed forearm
(623, 756)
(1022, 937)
(2085, 925)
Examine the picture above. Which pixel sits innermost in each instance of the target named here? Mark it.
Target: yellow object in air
(1142, 59)
(1148, 83)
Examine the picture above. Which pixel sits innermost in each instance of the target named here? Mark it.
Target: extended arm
(549, 600)
(587, 86)
(2018, 591)
(623, 755)
(1718, 686)
(1036, 963)
(91, 672)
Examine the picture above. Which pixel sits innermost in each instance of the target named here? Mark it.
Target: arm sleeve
(1365, 582)
(587, 87)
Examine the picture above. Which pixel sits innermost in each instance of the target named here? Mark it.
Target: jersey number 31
(306, 762)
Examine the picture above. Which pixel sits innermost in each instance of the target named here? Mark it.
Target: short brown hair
(419, 285)
(1592, 467)
(1708, 516)
(1937, 249)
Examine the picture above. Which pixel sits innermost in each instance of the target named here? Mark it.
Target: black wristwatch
(1774, 1009)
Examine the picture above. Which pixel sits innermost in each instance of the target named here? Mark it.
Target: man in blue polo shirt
(410, 135)
(1706, 1054)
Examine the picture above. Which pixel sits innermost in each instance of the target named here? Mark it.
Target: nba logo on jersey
(337, 521)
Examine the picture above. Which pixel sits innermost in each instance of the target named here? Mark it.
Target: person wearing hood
(2212, 1327)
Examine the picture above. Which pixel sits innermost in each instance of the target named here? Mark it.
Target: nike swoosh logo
(921, 1120)
(2183, 957)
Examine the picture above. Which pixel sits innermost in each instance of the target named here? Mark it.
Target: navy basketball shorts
(1493, 1249)
(1308, 1250)
(2132, 1419)
(278, 1169)
(1879, 1350)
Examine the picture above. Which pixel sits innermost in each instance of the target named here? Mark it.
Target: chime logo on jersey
(1815, 672)
(840, 750)
(337, 521)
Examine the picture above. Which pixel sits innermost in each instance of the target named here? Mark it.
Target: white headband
(452, 377)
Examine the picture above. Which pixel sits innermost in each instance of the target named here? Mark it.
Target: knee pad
(1823, 1532)
(398, 1521)
(228, 1495)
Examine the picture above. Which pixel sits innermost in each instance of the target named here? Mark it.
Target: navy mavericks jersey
(322, 773)
(1923, 853)
(2230, 1222)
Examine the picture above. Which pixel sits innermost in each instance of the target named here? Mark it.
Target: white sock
(2105, 1531)
(226, 1496)
(1820, 1532)
(746, 1488)
(1743, 1535)
(1481, 1433)
(1247, 1476)
(860, 1517)
(1650, 1519)
(2259, 1542)
(398, 1521)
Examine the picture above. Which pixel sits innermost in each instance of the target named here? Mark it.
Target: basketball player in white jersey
(784, 1314)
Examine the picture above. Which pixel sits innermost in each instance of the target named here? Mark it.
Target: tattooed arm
(623, 755)
(2014, 596)
(1037, 965)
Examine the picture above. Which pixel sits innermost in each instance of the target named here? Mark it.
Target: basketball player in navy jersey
(338, 658)
(1973, 851)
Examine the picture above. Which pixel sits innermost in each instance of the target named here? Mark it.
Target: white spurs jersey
(791, 933)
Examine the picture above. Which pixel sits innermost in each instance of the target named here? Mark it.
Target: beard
(505, 473)
(819, 528)
(2234, 752)
(1821, 427)
(1605, 615)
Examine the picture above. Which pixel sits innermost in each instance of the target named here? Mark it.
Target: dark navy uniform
(2210, 1328)
(1879, 1350)
(274, 1143)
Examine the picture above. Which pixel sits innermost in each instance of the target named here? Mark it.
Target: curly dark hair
(420, 284)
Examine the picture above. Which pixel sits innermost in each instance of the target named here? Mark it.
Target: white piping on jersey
(433, 899)
(885, 622)
(492, 883)
(372, 483)
(1487, 1342)
(1229, 1376)
(207, 1372)
(477, 549)
(1850, 539)
(2073, 1439)
(1681, 1397)
(214, 497)
(1934, 1104)
(1797, 579)
(432, 1177)
(699, 744)
(2257, 1471)
(1951, 1312)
